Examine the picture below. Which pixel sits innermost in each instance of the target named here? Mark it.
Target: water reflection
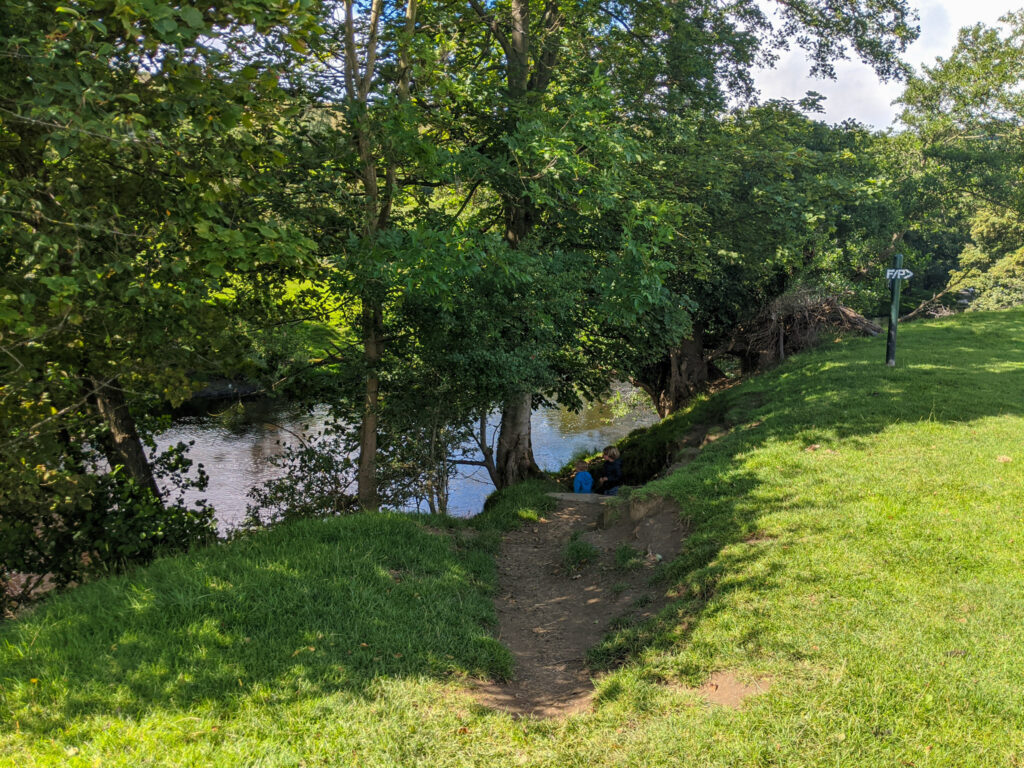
(234, 450)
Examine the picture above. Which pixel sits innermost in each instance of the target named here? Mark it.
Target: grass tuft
(578, 553)
(628, 558)
(507, 509)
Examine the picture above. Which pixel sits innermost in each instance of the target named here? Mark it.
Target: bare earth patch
(549, 616)
(725, 690)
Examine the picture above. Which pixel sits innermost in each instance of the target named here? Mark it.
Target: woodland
(424, 213)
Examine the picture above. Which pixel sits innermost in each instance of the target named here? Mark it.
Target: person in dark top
(609, 477)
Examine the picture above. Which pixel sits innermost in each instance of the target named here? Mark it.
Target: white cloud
(856, 92)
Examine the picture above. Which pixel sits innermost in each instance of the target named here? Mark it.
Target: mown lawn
(855, 539)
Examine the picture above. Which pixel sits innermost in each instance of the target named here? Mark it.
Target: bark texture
(514, 462)
(530, 58)
(674, 379)
(121, 444)
(366, 476)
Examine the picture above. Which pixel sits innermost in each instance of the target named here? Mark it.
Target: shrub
(71, 525)
(627, 558)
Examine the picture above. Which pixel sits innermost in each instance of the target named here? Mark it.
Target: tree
(661, 62)
(966, 112)
(772, 200)
(134, 232)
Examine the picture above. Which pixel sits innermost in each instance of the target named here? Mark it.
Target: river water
(234, 452)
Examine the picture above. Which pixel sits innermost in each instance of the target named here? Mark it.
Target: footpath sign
(898, 274)
(895, 276)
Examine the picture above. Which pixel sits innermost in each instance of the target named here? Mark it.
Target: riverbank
(235, 450)
(852, 553)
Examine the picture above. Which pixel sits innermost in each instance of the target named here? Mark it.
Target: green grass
(876, 579)
(577, 553)
(628, 558)
(525, 502)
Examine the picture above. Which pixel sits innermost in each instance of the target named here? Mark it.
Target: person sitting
(609, 477)
(582, 481)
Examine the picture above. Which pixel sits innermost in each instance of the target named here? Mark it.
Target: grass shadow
(304, 609)
(787, 424)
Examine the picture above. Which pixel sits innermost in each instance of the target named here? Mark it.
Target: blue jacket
(583, 482)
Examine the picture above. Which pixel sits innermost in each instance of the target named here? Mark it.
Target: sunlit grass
(855, 539)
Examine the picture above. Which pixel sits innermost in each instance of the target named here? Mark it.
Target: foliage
(967, 107)
(134, 241)
(628, 558)
(416, 212)
(991, 264)
(965, 111)
(314, 479)
(99, 529)
(772, 199)
(316, 476)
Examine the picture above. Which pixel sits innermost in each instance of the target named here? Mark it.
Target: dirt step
(573, 499)
(549, 617)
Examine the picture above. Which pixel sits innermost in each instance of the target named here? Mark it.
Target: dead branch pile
(794, 322)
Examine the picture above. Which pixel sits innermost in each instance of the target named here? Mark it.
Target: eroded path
(551, 614)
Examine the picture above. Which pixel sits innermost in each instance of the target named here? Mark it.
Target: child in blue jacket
(582, 481)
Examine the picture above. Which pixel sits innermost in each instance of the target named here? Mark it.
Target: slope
(854, 538)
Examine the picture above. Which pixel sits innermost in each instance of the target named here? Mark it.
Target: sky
(856, 92)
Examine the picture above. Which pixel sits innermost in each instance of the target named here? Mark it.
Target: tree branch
(466, 201)
(371, 50)
(492, 24)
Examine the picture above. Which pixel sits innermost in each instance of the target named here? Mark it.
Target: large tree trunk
(366, 477)
(515, 461)
(678, 376)
(528, 72)
(121, 444)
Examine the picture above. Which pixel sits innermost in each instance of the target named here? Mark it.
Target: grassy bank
(855, 539)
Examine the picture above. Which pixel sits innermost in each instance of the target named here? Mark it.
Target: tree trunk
(121, 444)
(677, 377)
(366, 477)
(359, 84)
(515, 461)
(487, 452)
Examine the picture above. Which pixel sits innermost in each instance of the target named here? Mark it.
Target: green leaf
(192, 17)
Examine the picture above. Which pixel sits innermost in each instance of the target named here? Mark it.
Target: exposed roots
(794, 322)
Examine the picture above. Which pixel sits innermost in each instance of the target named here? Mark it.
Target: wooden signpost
(895, 276)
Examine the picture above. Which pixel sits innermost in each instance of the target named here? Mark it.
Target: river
(234, 452)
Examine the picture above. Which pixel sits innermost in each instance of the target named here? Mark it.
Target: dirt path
(550, 615)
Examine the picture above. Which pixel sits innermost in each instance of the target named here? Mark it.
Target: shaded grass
(855, 538)
(628, 558)
(578, 553)
(275, 619)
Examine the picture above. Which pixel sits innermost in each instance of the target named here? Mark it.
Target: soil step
(582, 498)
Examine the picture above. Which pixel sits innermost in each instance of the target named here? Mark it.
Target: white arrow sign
(898, 274)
